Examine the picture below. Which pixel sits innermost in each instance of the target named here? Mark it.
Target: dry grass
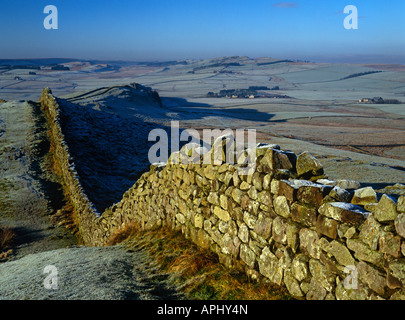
(66, 217)
(122, 234)
(195, 271)
(7, 236)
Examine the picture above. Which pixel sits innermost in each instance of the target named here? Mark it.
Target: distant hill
(57, 61)
(37, 62)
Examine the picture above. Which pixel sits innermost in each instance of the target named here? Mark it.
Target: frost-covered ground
(85, 273)
(29, 193)
(322, 116)
(106, 124)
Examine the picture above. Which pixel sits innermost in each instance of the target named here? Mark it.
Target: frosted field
(324, 73)
(395, 108)
(323, 109)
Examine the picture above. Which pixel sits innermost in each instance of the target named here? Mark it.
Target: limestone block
(223, 226)
(299, 267)
(255, 247)
(268, 162)
(236, 179)
(321, 274)
(181, 218)
(360, 293)
(309, 242)
(349, 233)
(270, 267)
(327, 182)
(371, 277)
(274, 186)
(308, 165)
(223, 201)
(244, 186)
(229, 246)
(279, 230)
(252, 193)
(293, 236)
(370, 207)
(264, 197)
(400, 224)
(221, 214)
(210, 172)
(364, 196)
(303, 214)
(311, 195)
(370, 232)
(390, 244)
(213, 198)
(348, 184)
(227, 178)
(243, 233)
(198, 221)
(344, 212)
(266, 184)
(249, 219)
(327, 226)
(401, 204)
(386, 209)
(257, 181)
(281, 206)
(292, 285)
(247, 255)
(341, 253)
(340, 194)
(285, 160)
(396, 269)
(287, 189)
(237, 195)
(224, 167)
(263, 226)
(364, 253)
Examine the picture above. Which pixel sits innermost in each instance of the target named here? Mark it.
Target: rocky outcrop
(321, 239)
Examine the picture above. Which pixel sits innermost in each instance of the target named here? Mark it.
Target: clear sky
(182, 29)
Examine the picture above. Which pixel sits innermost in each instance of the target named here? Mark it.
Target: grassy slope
(194, 271)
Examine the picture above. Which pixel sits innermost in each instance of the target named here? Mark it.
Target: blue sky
(180, 29)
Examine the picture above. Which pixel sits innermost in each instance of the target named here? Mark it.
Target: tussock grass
(195, 271)
(7, 237)
(123, 234)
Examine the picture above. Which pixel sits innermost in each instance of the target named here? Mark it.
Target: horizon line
(334, 60)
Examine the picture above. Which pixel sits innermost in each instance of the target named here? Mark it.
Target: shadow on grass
(195, 111)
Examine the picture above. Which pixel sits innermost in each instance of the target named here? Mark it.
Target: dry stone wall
(86, 215)
(284, 222)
